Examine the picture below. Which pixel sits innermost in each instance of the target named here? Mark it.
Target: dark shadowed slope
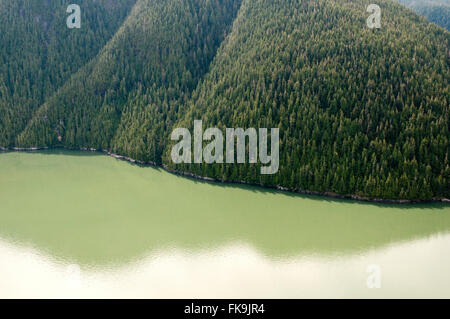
(130, 95)
(38, 53)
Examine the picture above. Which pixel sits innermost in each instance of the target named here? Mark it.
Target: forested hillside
(360, 111)
(38, 53)
(130, 95)
(437, 11)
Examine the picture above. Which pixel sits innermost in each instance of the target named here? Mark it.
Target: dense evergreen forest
(360, 111)
(437, 11)
(130, 95)
(38, 53)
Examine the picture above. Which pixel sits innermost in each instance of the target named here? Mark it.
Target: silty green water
(96, 211)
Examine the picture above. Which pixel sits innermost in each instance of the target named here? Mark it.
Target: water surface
(76, 224)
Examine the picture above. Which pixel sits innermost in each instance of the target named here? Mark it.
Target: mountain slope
(38, 53)
(360, 111)
(151, 65)
(437, 11)
(200, 27)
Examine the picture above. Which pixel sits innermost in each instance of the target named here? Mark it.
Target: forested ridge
(360, 111)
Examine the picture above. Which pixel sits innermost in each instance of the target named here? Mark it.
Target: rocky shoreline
(305, 192)
(209, 179)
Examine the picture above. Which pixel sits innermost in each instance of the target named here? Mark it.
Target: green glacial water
(76, 224)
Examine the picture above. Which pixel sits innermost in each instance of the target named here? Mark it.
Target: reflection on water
(417, 269)
(80, 225)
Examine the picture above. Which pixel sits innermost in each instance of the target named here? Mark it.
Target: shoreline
(214, 180)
